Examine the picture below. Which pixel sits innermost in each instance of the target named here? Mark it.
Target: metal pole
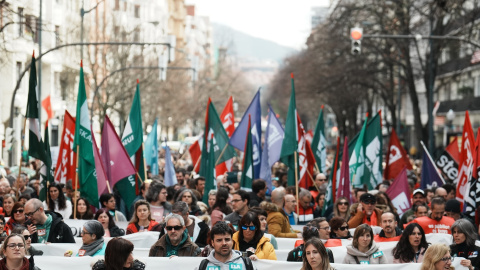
(82, 14)
(40, 64)
(431, 83)
(399, 100)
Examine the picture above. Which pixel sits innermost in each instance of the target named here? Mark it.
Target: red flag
(306, 159)
(465, 169)
(397, 158)
(99, 169)
(344, 183)
(476, 166)
(66, 161)
(195, 151)
(452, 149)
(47, 105)
(399, 192)
(228, 120)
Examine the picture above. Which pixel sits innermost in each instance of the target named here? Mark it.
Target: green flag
(247, 170)
(46, 171)
(357, 159)
(132, 140)
(330, 195)
(290, 140)
(319, 144)
(210, 170)
(83, 143)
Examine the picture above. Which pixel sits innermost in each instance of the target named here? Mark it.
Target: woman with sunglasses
(412, 245)
(341, 208)
(363, 249)
(250, 238)
(28, 240)
(437, 257)
(463, 246)
(142, 219)
(339, 229)
(17, 218)
(262, 216)
(315, 256)
(13, 250)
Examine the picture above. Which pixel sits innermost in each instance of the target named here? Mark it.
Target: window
(117, 5)
(20, 22)
(137, 11)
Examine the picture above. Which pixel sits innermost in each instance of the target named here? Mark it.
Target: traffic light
(8, 138)
(356, 35)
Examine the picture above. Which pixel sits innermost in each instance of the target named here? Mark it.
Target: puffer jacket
(264, 249)
(279, 226)
(136, 265)
(372, 256)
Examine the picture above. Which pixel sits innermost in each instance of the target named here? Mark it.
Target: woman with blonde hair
(437, 257)
(315, 256)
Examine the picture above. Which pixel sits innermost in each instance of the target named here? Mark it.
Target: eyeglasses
(13, 246)
(31, 214)
(343, 228)
(27, 237)
(251, 228)
(446, 259)
(326, 228)
(370, 202)
(83, 233)
(176, 228)
(18, 211)
(343, 203)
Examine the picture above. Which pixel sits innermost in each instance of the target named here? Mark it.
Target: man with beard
(390, 231)
(418, 198)
(436, 222)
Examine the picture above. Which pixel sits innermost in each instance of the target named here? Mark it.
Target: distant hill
(246, 46)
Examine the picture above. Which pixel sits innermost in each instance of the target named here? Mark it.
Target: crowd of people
(236, 226)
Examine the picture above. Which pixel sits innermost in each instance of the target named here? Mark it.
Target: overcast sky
(285, 22)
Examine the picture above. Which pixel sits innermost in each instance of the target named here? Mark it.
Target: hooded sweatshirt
(372, 256)
(235, 260)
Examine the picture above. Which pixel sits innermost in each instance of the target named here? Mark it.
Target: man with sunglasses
(176, 242)
(366, 213)
(45, 226)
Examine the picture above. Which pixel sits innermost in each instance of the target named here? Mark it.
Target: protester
(366, 213)
(84, 211)
(441, 192)
(212, 194)
(437, 257)
(250, 238)
(46, 226)
(240, 204)
(57, 201)
(319, 184)
(220, 209)
(22, 185)
(463, 246)
(119, 256)
(3, 233)
(436, 222)
(262, 217)
(107, 201)
(309, 232)
(142, 218)
(278, 197)
(157, 198)
(390, 231)
(418, 198)
(339, 229)
(259, 190)
(315, 256)
(306, 207)
(93, 243)
(8, 201)
(277, 222)
(13, 250)
(412, 245)
(187, 196)
(363, 249)
(111, 230)
(200, 185)
(222, 256)
(176, 242)
(142, 196)
(341, 208)
(320, 201)
(289, 209)
(30, 250)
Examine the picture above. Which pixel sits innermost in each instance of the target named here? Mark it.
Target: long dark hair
(221, 201)
(404, 250)
(15, 207)
(62, 202)
(88, 215)
(111, 222)
(317, 243)
(117, 252)
(250, 217)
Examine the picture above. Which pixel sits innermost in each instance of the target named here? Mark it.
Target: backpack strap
(248, 263)
(356, 259)
(203, 264)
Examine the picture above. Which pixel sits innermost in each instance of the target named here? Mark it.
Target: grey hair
(304, 193)
(466, 227)
(194, 198)
(212, 192)
(94, 227)
(180, 207)
(178, 217)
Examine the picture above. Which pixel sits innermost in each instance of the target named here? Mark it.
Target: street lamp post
(449, 126)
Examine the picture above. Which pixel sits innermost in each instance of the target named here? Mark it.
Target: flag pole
(76, 185)
(311, 177)
(196, 163)
(296, 180)
(221, 154)
(144, 163)
(108, 186)
(431, 160)
(17, 193)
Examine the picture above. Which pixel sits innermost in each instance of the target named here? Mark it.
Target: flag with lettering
(430, 175)
(238, 138)
(83, 139)
(66, 161)
(306, 159)
(448, 160)
(467, 153)
(397, 157)
(472, 201)
(319, 144)
(399, 192)
(357, 159)
(247, 168)
(151, 149)
(344, 187)
(228, 120)
(271, 147)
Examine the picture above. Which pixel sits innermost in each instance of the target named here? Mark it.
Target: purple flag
(115, 158)
(399, 193)
(170, 175)
(99, 170)
(344, 188)
(271, 148)
(239, 137)
(430, 176)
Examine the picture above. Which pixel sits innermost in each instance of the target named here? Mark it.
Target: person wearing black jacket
(463, 246)
(309, 232)
(46, 226)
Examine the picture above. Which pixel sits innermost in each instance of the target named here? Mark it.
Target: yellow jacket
(264, 249)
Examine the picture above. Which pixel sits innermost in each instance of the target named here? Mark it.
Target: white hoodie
(236, 258)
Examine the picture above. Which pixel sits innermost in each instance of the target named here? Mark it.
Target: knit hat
(94, 227)
(453, 206)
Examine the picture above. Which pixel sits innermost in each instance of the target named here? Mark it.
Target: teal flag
(290, 140)
(319, 144)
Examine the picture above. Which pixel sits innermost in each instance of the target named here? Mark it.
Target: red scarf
(25, 266)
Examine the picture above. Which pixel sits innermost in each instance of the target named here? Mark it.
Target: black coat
(471, 253)
(59, 231)
(136, 265)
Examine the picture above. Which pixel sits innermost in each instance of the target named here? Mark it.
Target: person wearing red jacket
(142, 218)
(436, 222)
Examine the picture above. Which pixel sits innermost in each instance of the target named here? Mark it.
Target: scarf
(173, 250)
(93, 247)
(25, 265)
(44, 230)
